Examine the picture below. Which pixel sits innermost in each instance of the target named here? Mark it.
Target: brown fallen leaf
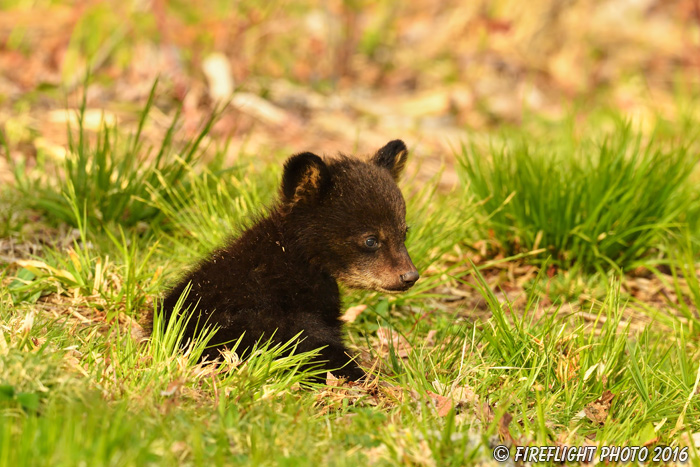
(172, 388)
(443, 404)
(352, 313)
(339, 392)
(597, 411)
(331, 380)
(430, 337)
(461, 395)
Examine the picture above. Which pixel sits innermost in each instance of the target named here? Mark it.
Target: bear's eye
(372, 243)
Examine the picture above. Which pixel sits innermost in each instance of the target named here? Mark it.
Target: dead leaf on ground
(597, 411)
(352, 313)
(340, 391)
(461, 395)
(456, 397)
(443, 404)
(332, 381)
(172, 388)
(430, 337)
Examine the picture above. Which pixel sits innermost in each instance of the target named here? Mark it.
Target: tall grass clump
(110, 175)
(596, 205)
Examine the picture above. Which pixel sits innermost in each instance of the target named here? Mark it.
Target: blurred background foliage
(344, 75)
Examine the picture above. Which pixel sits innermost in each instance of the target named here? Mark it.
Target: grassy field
(553, 195)
(458, 365)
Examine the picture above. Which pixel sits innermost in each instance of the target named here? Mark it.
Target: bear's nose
(410, 277)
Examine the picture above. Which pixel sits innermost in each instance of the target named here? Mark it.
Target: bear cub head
(349, 218)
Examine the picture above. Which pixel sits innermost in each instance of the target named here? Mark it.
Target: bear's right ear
(306, 178)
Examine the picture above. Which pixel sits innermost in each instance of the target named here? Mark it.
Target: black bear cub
(336, 220)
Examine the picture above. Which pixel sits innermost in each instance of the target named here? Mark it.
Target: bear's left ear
(306, 178)
(392, 157)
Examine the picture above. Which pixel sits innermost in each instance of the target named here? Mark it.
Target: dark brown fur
(280, 276)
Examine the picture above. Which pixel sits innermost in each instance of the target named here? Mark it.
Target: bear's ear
(392, 157)
(306, 178)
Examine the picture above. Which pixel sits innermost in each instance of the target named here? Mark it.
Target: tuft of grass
(110, 176)
(599, 206)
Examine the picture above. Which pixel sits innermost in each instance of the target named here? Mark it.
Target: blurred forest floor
(341, 75)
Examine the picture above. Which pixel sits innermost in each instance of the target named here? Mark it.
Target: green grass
(597, 205)
(684, 281)
(110, 178)
(211, 204)
(78, 386)
(129, 404)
